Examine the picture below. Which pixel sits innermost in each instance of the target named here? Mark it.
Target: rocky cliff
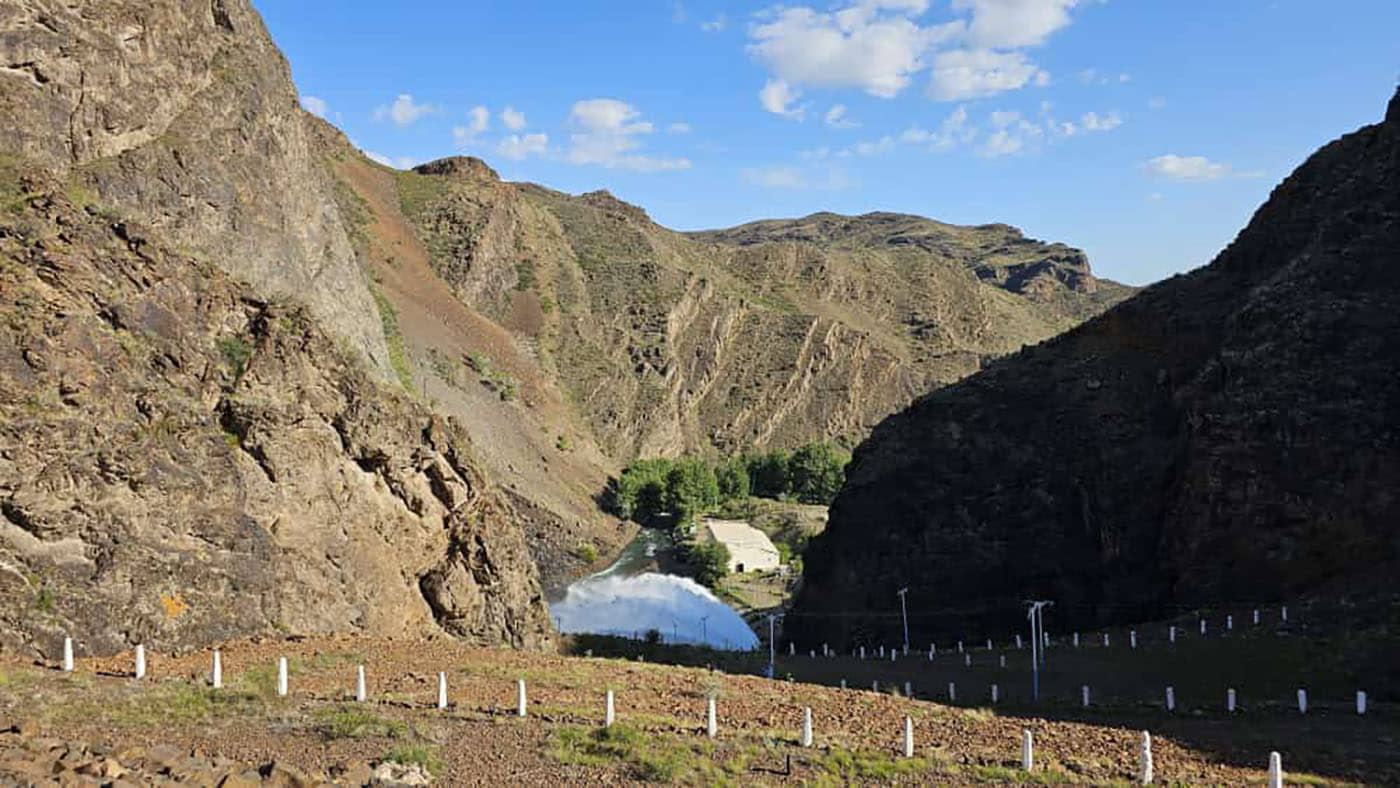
(1225, 436)
(183, 460)
(183, 113)
(770, 334)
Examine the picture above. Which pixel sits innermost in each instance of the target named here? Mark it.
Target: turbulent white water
(614, 602)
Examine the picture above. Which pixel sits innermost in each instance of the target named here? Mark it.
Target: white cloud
(513, 120)
(779, 98)
(315, 106)
(478, 121)
(404, 110)
(1012, 24)
(1093, 122)
(836, 118)
(678, 128)
(973, 73)
(876, 148)
(815, 154)
(776, 177)
(718, 24)
(1003, 118)
(873, 45)
(518, 146)
(398, 163)
(606, 133)
(953, 132)
(1187, 168)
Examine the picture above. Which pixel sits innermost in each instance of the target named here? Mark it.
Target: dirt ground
(318, 727)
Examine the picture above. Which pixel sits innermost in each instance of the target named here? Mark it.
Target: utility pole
(904, 610)
(772, 646)
(1036, 615)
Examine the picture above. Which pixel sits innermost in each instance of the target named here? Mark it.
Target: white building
(750, 550)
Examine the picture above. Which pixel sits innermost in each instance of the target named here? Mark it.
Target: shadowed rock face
(183, 113)
(184, 461)
(1228, 435)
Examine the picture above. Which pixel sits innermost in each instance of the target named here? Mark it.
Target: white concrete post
(996, 694)
(1275, 770)
(1256, 616)
(908, 689)
(1132, 638)
(1171, 699)
(1018, 641)
(1076, 640)
(1203, 626)
(1105, 640)
(711, 719)
(875, 685)
(930, 655)
(442, 690)
(792, 649)
(282, 677)
(360, 690)
(862, 652)
(1360, 701)
(908, 737)
(933, 648)
(1003, 660)
(140, 662)
(1302, 701)
(882, 652)
(892, 655)
(1284, 613)
(1229, 623)
(843, 683)
(520, 697)
(68, 655)
(216, 677)
(952, 692)
(1046, 636)
(609, 711)
(1171, 634)
(807, 726)
(1230, 700)
(1084, 696)
(812, 654)
(989, 643)
(1145, 763)
(967, 660)
(1027, 751)
(960, 648)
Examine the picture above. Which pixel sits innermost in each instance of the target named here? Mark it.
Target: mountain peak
(460, 167)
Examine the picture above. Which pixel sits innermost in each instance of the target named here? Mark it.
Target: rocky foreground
(99, 724)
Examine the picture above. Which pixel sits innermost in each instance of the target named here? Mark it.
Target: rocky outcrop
(183, 113)
(1225, 436)
(183, 460)
(770, 334)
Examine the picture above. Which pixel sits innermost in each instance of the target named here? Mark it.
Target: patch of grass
(417, 192)
(46, 600)
(347, 721)
(844, 765)
(1008, 774)
(161, 706)
(647, 755)
(525, 278)
(236, 352)
(415, 755)
(562, 443)
(393, 339)
(586, 553)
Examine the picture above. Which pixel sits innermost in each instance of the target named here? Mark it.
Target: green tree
(768, 474)
(816, 472)
(639, 494)
(710, 562)
(733, 479)
(691, 487)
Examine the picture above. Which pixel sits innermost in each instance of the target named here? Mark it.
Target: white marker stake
(68, 655)
(1003, 660)
(952, 692)
(1132, 638)
(216, 677)
(807, 726)
(908, 690)
(1302, 701)
(1018, 641)
(908, 738)
(1230, 700)
(995, 693)
(891, 655)
(442, 690)
(520, 697)
(1027, 751)
(1171, 699)
(812, 654)
(989, 643)
(1145, 764)
(1229, 623)
(282, 677)
(1203, 626)
(792, 649)
(711, 723)
(140, 662)
(875, 686)
(1046, 640)
(1084, 696)
(930, 655)
(843, 683)
(882, 652)
(1171, 634)
(1076, 640)
(608, 712)
(360, 690)
(1284, 612)
(1256, 616)
(862, 652)
(1105, 640)
(960, 648)
(1275, 770)
(967, 660)
(1360, 701)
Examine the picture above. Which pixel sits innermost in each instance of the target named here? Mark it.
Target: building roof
(737, 533)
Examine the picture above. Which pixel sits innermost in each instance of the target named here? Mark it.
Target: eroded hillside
(1226, 435)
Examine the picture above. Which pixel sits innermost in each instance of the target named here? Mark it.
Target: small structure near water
(750, 550)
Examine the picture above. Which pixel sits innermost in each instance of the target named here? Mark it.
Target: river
(628, 598)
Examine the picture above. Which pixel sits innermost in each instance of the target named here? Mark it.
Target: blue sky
(1144, 131)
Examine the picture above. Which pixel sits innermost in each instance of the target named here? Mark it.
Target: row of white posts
(711, 719)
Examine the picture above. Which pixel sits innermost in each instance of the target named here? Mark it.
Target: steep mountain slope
(1227, 435)
(183, 461)
(183, 113)
(770, 334)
